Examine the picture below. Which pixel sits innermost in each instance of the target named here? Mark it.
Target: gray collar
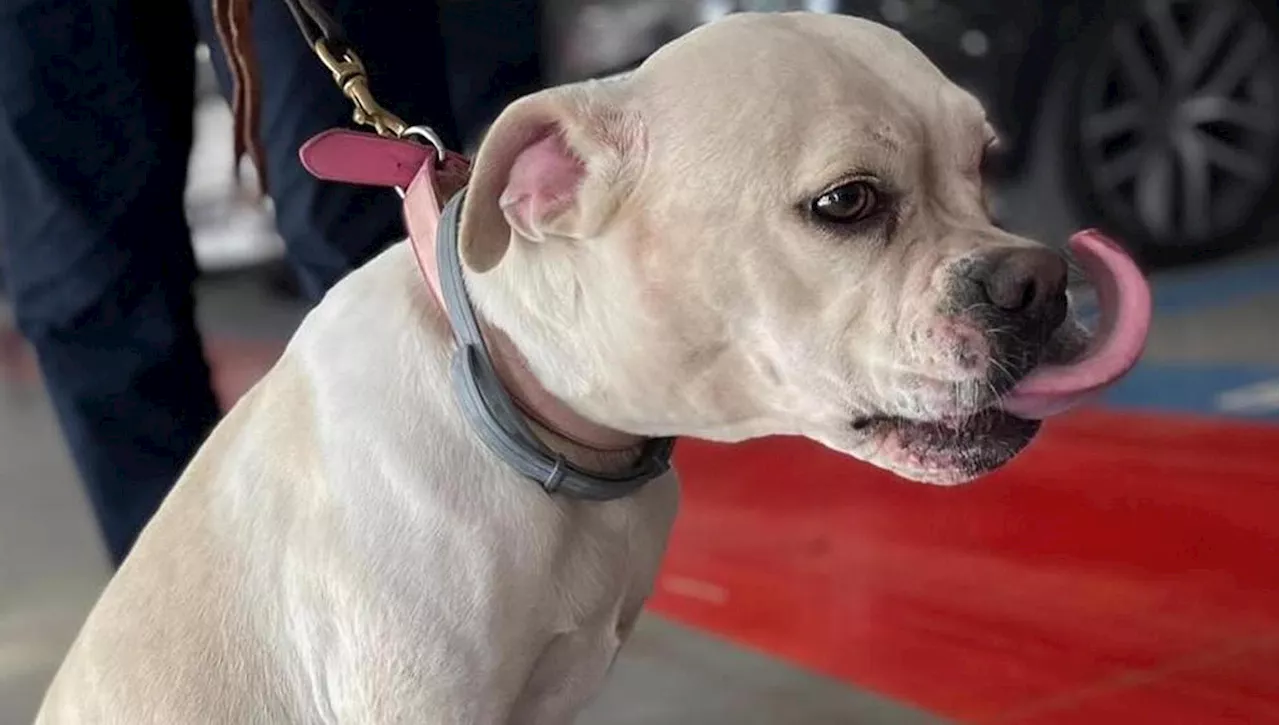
(492, 413)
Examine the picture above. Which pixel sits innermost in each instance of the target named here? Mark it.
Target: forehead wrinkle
(842, 146)
(862, 124)
(866, 108)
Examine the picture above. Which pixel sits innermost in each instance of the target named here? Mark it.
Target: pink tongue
(1125, 302)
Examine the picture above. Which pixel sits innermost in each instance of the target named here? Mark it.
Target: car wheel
(1171, 128)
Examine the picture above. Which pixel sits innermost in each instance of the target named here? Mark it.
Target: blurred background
(1123, 570)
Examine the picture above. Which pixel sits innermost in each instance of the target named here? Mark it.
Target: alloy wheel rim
(1178, 118)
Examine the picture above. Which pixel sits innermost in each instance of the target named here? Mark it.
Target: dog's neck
(586, 444)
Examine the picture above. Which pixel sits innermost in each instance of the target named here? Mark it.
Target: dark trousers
(96, 102)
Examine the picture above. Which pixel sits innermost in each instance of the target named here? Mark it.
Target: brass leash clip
(350, 76)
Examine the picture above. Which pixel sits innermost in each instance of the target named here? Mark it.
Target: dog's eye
(847, 203)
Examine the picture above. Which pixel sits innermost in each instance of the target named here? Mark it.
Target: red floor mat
(1124, 570)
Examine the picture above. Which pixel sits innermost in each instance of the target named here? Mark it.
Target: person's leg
(494, 54)
(95, 130)
(330, 229)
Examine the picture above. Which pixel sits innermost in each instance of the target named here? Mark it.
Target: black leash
(318, 25)
(328, 41)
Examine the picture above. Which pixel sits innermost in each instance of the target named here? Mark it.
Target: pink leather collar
(356, 157)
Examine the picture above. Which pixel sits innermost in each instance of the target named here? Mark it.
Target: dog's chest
(605, 563)
(519, 599)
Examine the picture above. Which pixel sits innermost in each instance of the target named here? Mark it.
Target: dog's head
(776, 225)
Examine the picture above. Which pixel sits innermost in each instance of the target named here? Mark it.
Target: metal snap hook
(428, 134)
(556, 476)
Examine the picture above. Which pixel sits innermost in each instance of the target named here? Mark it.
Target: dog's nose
(1028, 283)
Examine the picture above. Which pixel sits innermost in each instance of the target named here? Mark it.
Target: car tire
(1170, 132)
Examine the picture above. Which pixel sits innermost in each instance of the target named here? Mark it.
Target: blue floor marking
(1190, 389)
(1207, 288)
(1215, 287)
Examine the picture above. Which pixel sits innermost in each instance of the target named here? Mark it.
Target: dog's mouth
(960, 447)
(950, 450)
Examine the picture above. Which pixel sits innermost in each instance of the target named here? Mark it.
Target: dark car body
(1011, 55)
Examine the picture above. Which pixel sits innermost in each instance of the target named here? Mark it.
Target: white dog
(775, 226)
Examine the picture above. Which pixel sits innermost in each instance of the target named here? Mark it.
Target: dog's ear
(554, 165)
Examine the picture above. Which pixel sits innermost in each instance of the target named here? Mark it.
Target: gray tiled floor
(1232, 334)
(51, 563)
